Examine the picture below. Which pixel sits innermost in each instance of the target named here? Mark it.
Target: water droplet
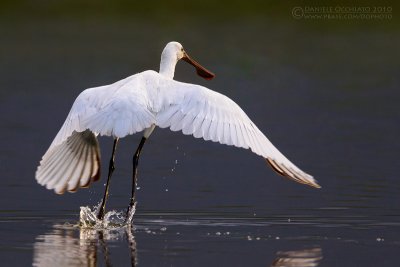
(249, 238)
(176, 161)
(166, 190)
(218, 233)
(227, 233)
(277, 238)
(257, 238)
(288, 220)
(138, 188)
(163, 229)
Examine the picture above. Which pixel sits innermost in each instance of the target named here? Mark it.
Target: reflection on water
(327, 99)
(64, 247)
(70, 245)
(298, 258)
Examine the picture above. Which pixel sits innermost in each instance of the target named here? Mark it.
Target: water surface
(327, 98)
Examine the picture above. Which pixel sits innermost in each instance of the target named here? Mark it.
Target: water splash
(112, 219)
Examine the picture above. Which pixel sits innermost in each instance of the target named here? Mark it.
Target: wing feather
(227, 135)
(76, 174)
(231, 131)
(73, 163)
(205, 113)
(119, 109)
(85, 180)
(66, 167)
(59, 159)
(205, 129)
(51, 158)
(197, 122)
(188, 124)
(240, 137)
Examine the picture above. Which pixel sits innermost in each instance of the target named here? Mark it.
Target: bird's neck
(167, 66)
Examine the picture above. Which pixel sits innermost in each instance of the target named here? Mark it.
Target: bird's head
(175, 50)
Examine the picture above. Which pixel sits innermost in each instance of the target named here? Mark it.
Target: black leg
(111, 169)
(106, 252)
(132, 245)
(134, 176)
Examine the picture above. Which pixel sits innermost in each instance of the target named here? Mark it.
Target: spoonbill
(140, 103)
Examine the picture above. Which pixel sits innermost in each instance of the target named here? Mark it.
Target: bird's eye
(182, 49)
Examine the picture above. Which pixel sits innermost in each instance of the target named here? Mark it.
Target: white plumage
(137, 103)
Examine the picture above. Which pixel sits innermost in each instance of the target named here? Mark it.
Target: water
(326, 96)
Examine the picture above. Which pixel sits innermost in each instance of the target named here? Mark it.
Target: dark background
(325, 91)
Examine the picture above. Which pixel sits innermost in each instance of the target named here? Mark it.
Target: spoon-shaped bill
(201, 71)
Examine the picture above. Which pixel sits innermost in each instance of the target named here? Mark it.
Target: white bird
(140, 103)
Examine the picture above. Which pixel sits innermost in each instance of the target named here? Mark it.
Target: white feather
(73, 163)
(221, 120)
(140, 102)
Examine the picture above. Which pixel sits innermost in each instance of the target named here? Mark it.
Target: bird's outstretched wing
(72, 164)
(73, 158)
(201, 112)
(118, 109)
